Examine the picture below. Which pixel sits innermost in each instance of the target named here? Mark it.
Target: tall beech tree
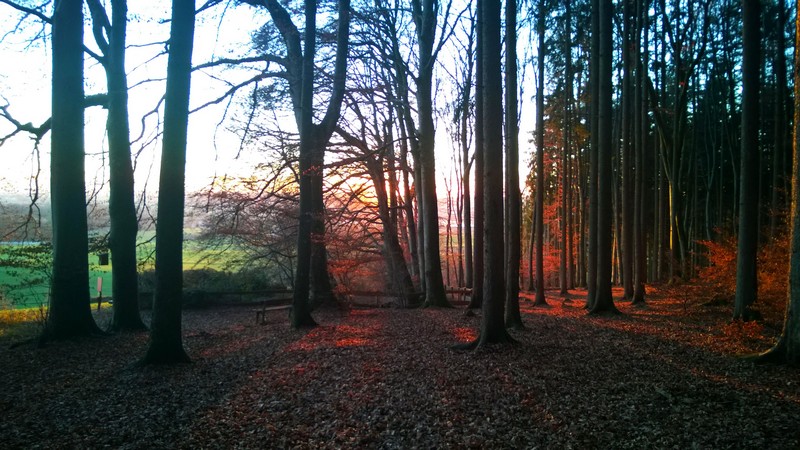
(640, 140)
(513, 205)
(166, 344)
(493, 329)
(110, 36)
(538, 212)
(300, 73)
(594, 78)
(476, 300)
(626, 166)
(70, 312)
(746, 256)
(425, 14)
(565, 270)
(603, 301)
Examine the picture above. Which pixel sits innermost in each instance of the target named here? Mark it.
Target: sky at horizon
(25, 87)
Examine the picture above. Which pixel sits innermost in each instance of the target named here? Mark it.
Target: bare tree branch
(234, 88)
(237, 61)
(30, 11)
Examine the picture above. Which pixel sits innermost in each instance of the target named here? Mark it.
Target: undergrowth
(718, 277)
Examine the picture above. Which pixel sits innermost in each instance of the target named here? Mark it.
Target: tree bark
(594, 61)
(312, 270)
(69, 314)
(493, 330)
(746, 261)
(539, 299)
(603, 301)
(640, 131)
(166, 345)
(513, 319)
(121, 204)
(627, 162)
(476, 300)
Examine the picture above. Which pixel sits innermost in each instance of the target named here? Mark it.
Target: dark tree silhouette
(166, 344)
(476, 300)
(513, 198)
(493, 330)
(70, 312)
(300, 73)
(425, 16)
(538, 214)
(594, 88)
(603, 301)
(746, 262)
(640, 138)
(122, 208)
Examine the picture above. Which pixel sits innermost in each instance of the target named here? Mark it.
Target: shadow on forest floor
(665, 375)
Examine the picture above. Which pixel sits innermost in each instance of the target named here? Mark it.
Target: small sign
(99, 284)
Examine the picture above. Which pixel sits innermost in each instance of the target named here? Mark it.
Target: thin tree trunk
(513, 319)
(778, 202)
(476, 300)
(594, 73)
(627, 161)
(640, 131)
(540, 171)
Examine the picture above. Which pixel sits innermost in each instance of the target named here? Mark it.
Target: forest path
(390, 379)
(387, 378)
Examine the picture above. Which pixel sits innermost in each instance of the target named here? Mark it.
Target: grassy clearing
(21, 323)
(25, 287)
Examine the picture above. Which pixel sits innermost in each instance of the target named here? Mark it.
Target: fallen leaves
(384, 378)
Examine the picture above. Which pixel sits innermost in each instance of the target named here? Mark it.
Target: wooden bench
(261, 314)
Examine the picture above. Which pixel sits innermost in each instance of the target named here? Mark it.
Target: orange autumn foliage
(719, 274)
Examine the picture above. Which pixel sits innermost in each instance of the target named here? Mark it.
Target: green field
(24, 287)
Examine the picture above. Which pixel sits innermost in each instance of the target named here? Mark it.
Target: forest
(489, 224)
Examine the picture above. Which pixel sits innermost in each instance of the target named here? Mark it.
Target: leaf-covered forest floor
(663, 376)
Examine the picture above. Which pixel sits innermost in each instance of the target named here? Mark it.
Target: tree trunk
(310, 174)
(493, 330)
(746, 261)
(566, 269)
(311, 270)
(166, 345)
(513, 319)
(594, 74)
(402, 284)
(70, 312)
(121, 204)
(467, 165)
(540, 171)
(476, 300)
(627, 161)
(780, 127)
(425, 12)
(640, 132)
(408, 205)
(603, 301)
